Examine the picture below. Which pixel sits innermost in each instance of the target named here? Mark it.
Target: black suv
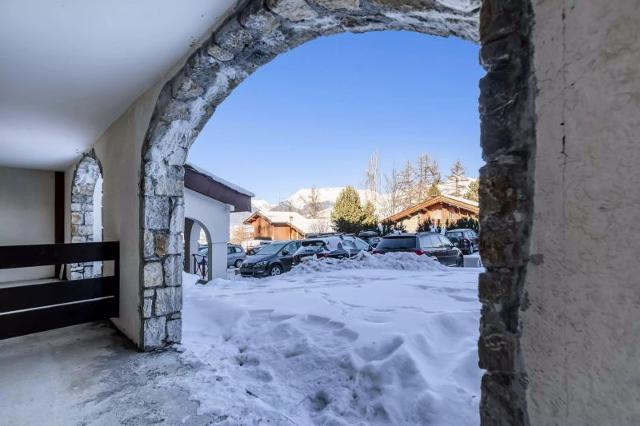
(272, 259)
(424, 243)
(465, 239)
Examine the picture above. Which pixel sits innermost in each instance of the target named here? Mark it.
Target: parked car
(334, 247)
(253, 250)
(430, 244)
(235, 255)
(272, 259)
(465, 239)
(370, 237)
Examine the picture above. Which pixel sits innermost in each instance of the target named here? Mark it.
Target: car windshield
(397, 243)
(430, 240)
(272, 248)
(454, 234)
(313, 244)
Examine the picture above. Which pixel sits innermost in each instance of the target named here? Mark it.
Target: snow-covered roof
(462, 200)
(306, 225)
(221, 181)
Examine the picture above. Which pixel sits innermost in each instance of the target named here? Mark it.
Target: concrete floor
(90, 374)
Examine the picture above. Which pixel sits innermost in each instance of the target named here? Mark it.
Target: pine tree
(389, 227)
(425, 225)
(434, 191)
(457, 174)
(347, 212)
(369, 216)
(472, 192)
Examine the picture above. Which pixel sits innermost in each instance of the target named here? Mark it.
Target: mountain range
(298, 201)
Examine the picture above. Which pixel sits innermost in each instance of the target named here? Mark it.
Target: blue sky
(314, 115)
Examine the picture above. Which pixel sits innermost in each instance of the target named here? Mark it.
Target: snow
(376, 340)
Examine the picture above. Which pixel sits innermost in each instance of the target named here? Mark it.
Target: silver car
(235, 255)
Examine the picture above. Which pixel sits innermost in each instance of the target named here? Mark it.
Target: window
(360, 244)
(445, 242)
(349, 245)
(398, 243)
(431, 240)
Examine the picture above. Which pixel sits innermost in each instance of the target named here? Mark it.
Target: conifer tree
(369, 216)
(347, 214)
(434, 191)
(472, 192)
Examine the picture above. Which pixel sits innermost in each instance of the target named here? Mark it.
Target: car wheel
(460, 261)
(275, 270)
(238, 263)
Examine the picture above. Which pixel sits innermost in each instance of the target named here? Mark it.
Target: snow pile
(371, 344)
(365, 260)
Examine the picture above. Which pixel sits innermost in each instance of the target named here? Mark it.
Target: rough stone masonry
(257, 32)
(83, 187)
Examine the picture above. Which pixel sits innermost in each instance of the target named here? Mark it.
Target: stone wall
(506, 197)
(85, 176)
(261, 30)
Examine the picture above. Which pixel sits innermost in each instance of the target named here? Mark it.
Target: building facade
(441, 209)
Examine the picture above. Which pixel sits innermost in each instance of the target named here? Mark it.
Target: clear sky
(314, 115)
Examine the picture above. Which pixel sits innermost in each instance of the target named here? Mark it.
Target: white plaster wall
(582, 325)
(215, 216)
(119, 150)
(27, 201)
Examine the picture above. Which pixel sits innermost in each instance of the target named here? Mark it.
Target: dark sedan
(465, 239)
(430, 244)
(272, 259)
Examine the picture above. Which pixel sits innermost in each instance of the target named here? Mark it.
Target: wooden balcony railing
(28, 308)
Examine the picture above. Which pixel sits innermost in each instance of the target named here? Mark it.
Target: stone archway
(190, 227)
(86, 176)
(260, 30)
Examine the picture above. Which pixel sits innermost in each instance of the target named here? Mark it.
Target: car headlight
(261, 264)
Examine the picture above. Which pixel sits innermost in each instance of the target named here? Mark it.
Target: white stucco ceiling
(69, 68)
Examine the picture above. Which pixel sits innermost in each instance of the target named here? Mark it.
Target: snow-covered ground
(379, 340)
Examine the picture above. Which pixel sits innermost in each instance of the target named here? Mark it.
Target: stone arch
(87, 174)
(258, 31)
(188, 236)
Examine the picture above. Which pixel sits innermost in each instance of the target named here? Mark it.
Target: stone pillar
(506, 192)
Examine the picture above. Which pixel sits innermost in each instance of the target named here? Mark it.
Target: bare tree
(427, 175)
(320, 226)
(312, 204)
(457, 175)
(391, 201)
(372, 177)
(407, 183)
(240, 234)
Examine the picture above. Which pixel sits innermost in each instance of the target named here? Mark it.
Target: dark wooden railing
(29, 308)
